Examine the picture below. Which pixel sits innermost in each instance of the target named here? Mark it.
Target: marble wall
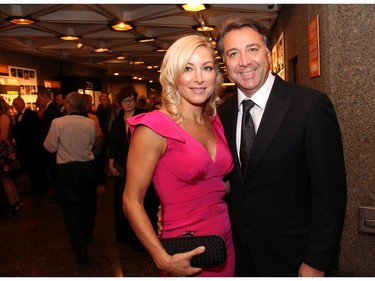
(347, 39)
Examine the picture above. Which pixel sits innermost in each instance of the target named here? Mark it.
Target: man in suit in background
(287, 210)
(59, 102)
(27, 134)
(49, 112)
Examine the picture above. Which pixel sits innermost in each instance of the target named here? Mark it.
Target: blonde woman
(5, 178)
(182, 149)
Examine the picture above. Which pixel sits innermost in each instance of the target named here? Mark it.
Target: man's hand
(308, 271)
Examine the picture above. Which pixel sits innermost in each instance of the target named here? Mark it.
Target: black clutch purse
(214, 255)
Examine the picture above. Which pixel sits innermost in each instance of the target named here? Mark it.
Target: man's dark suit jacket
(50, 113)
(27, 134)
(290, 206)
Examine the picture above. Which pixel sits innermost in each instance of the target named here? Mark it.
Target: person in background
(27, 134)
(116, 108)
(103, 111)
(119, 140)
(287, 210)
(90, 113)
(182, 149)
(142, 103)
(72, 137)
(6, 180)
(99, 140)
(59, 101)
(49, 113)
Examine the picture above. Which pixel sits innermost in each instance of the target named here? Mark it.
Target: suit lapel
(277, 107)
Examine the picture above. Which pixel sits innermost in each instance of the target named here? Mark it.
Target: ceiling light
(146, 39)
(122, 26)
(79, 45)
(120, 57)
(116, 74)
(228, 84)
(101, 50)
(161, 50)
(69, 37)
(204, 28)
(21, 20)
(194, 7)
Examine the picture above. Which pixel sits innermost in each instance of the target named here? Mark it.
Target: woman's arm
(144, 153)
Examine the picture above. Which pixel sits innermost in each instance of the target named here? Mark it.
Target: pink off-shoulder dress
(190, 184)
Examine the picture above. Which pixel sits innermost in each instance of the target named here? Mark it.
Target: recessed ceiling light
(69, 37)
(204, 28)
(101, 50)
(122, 26)
(120, 57)
(194, 7)
(21, 20)
(146, 39)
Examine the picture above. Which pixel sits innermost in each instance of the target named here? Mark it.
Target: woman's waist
(202, 221)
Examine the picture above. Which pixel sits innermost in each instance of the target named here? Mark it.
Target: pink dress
(190, 184)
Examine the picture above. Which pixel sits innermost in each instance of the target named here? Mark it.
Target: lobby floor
(35, 243)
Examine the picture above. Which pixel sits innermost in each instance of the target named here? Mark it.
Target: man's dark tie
(247, 134)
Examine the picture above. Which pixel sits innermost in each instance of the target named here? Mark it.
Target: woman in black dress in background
(119, 139)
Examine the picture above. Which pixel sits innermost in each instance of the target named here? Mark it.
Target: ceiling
(165, 22)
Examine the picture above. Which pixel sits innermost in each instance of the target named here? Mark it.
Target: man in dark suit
(287, 210)
(27, 134)
(49, 112)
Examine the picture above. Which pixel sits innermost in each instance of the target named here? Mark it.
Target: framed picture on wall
(278, 59)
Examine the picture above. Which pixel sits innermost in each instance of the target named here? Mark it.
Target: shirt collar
(261, 96)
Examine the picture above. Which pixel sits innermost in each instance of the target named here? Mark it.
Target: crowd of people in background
(44, 162)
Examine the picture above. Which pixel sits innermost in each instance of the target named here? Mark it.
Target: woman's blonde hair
(173, 66)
